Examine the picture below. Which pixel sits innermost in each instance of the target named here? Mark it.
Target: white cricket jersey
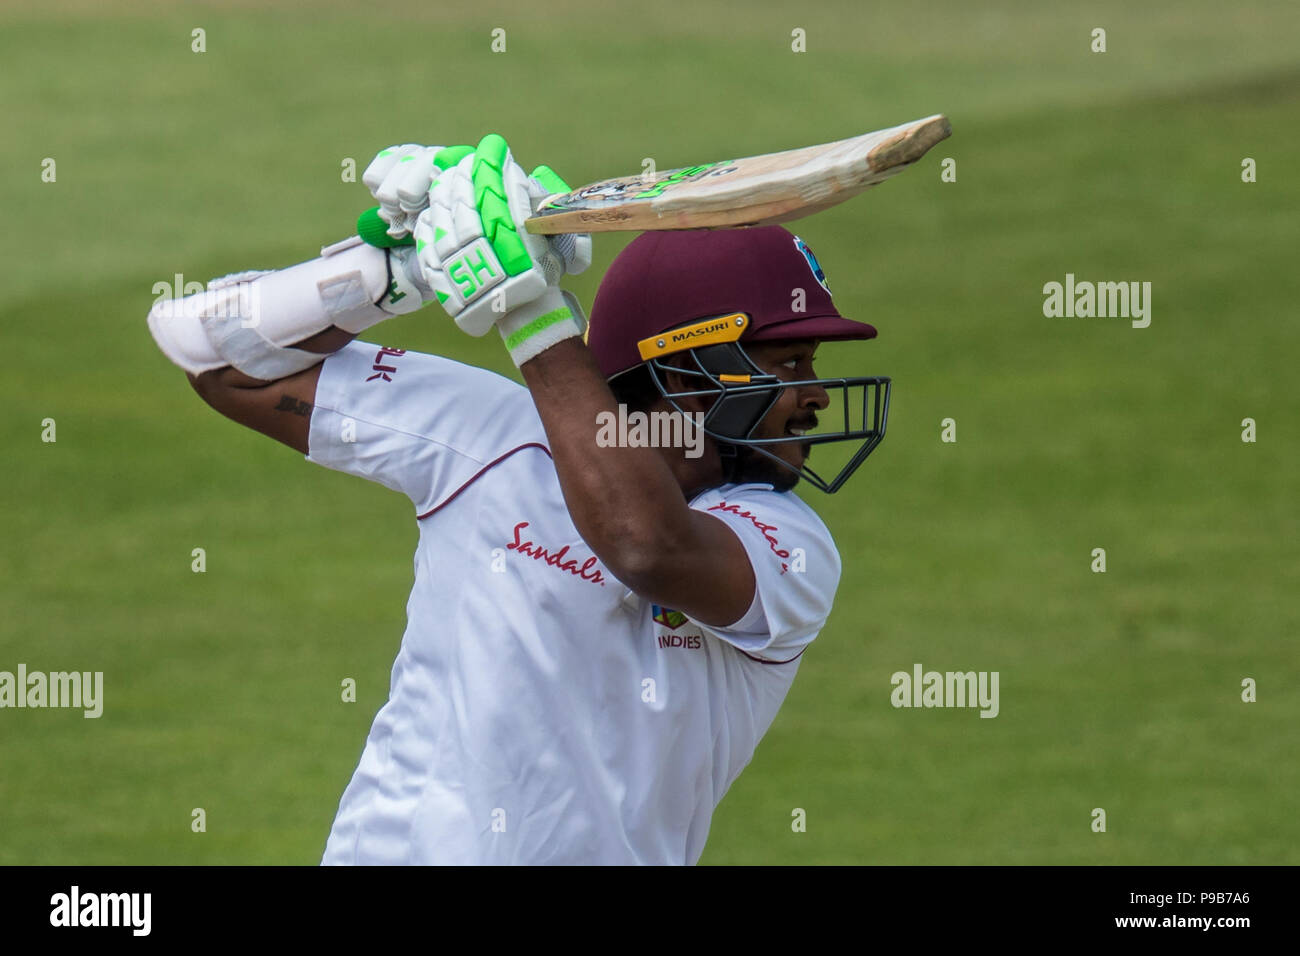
(540, 712)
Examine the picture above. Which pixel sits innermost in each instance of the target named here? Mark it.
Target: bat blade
(755, 191)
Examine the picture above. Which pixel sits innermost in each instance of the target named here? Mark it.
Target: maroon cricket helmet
(663, 280)
(684, 305)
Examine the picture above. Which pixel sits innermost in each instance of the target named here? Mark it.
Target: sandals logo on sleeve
(767, 531)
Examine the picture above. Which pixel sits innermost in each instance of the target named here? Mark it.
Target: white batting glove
(471, 243)
(399, 178)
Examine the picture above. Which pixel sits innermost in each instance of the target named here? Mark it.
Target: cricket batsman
(599, 631)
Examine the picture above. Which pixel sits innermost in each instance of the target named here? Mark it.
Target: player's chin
(795, 453)
(759, 469)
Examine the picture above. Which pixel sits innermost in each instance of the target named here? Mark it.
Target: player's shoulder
(423, 393)
(796, 568)
(756, 499)
(784, 521)
(400, 402)
(368, 364)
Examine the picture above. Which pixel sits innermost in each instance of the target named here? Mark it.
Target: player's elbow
(217, 393)
(645, 563)
(633, 567)
(642, 547)
(207, 386)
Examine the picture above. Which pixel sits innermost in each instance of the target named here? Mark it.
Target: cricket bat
(754, 191)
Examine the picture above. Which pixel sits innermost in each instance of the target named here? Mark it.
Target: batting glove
(399, 178)
(471, 244)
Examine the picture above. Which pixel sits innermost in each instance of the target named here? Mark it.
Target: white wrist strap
(535, 326)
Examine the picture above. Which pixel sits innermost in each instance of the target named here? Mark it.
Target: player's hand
(573, 248)
(399, 178)
(471, 244)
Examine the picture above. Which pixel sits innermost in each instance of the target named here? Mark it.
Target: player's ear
(693, 403)
(673, 382)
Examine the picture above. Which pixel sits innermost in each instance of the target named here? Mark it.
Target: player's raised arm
(251, 343)
(628, 504)
(625, 501)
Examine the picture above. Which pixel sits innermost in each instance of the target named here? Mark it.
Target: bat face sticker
(636, 187)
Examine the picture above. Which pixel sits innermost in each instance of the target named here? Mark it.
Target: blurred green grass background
(1119, 691)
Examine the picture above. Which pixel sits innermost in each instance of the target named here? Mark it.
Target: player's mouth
(800, 429)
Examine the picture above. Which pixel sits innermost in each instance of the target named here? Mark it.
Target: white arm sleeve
(796, 569)
(419, 424)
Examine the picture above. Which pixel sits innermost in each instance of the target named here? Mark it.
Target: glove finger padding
(384, 162)
(575, 250)
(413, 185)
(385, 172)
(400, 178)
(501, 196)
(459, 216)
(407, 181)
(501, 189)
(410, 182)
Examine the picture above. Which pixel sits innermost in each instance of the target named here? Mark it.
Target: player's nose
(813, 396)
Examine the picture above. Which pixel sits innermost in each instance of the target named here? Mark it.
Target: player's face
(795, 412)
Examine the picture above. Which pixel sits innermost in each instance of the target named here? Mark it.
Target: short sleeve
(419, 424)
(796, 569)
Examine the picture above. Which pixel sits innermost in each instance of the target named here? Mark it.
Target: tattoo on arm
(295, 406)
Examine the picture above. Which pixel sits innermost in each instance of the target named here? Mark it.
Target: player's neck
(698, 474)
